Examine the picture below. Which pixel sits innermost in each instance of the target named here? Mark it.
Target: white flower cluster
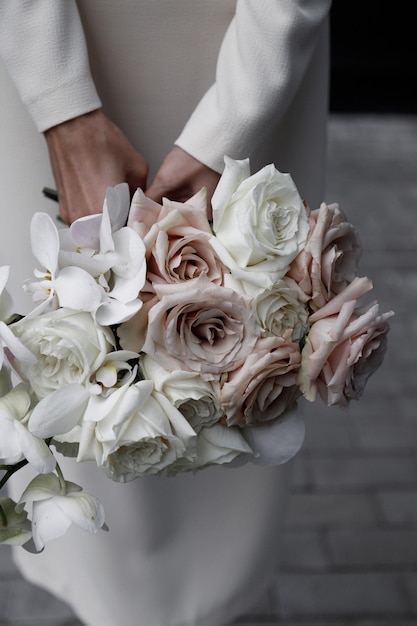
(168, 345)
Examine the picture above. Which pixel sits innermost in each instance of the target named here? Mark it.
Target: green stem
(60, 475)
(10, 470)
(3, 517)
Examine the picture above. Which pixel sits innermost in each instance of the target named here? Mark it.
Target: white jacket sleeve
(262, 60)
(43, 48)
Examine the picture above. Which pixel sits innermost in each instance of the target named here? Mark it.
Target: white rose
(68, 345)
(282, 308)
(259, 220)
(216, 445)
(196, 399)
(134, 432)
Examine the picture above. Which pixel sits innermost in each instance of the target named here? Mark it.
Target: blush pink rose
(330, 258)
(345, 346)
(145, 213)
(176, 238)
(201, 327)
(265, 385)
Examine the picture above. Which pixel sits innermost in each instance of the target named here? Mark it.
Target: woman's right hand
(88, 154)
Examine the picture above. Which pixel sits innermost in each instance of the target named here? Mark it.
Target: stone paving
(350, 543)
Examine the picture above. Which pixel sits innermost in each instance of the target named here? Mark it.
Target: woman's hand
(88, 154)
(180, 177)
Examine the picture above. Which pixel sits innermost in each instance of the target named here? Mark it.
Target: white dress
(190, 550)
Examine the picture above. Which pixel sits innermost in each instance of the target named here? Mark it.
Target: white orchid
(110, 252)
(60, 414)
(15, 528)
(131, 432)
(118, 369)
(57, 504)
(7, 338)
(6, 302)
(97, 265)
(16, 441)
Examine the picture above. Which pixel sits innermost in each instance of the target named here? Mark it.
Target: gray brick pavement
(350, 543)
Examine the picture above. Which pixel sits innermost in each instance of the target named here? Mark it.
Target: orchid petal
(131, 249)
(4, 276)
(59, 412)
(85, 232)
(76, 289)
(17, 531)
(42, 487)
(94, 265)
(9, 446)
(35, 450)
(6, 301)
(16, 403)
(48, 522)
(18, 350)
(107, 374)
(106, 235)
(117, 202)
(82, 509)
(114, 312)
(127, 289)
(44, 239)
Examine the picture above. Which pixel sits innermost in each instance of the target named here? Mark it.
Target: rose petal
(278, 441)
(235, 172)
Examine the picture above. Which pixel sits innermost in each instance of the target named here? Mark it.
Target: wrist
(78, 124)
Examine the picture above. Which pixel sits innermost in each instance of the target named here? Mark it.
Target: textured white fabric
(43, 48)
(193, 550)
(261, 63)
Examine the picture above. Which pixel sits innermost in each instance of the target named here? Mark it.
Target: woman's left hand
(180, 177)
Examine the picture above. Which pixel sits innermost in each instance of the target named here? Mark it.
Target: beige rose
(265, 385)
(176, 240)
(330, 258)
(201, 327)
(145, 214)
(344, 347)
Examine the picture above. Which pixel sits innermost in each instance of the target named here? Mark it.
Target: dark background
(373, 52)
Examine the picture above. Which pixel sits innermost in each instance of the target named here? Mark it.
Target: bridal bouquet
(171, 343)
